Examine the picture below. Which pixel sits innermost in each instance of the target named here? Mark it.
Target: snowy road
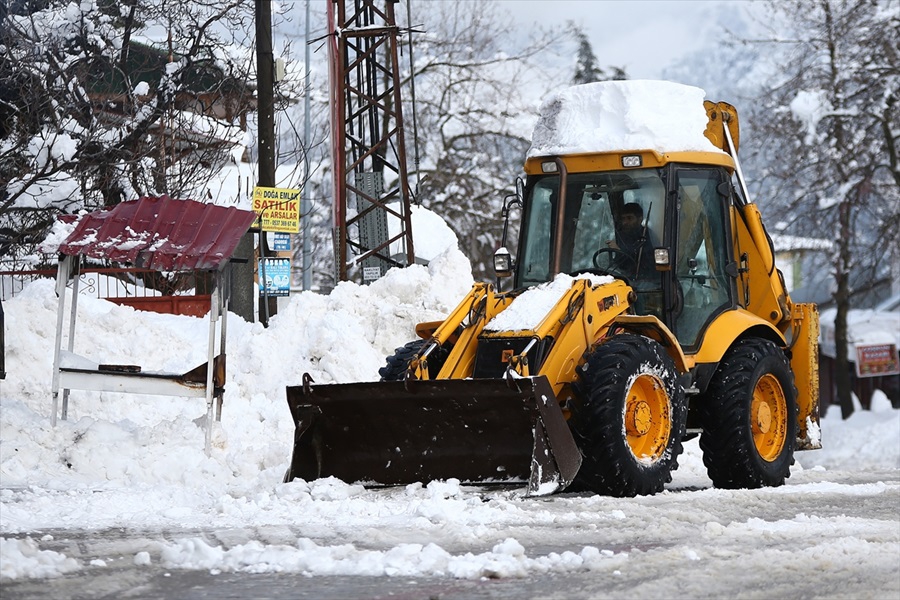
(121, 500)
(826, 534)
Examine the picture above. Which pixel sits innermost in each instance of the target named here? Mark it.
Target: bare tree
(477, 84)
(477, 78)
(91, 117)
(830, 119)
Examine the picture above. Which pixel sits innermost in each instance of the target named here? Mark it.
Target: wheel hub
(647, 418)
(639, 418)
(763, 418)
(768, 417)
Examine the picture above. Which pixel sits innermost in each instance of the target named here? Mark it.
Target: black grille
(492, 356)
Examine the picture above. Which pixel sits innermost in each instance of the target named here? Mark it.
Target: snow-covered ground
(137, 462)
(136, 465)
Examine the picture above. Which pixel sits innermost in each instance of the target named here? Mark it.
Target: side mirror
(509, 202)
(503, 264)
(520, 189)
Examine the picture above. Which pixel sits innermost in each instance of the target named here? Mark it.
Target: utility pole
(305, 214)
(265, 93)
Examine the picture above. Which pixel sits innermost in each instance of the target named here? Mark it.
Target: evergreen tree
(586, 68)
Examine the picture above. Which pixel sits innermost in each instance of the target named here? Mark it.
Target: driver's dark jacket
(631, 245)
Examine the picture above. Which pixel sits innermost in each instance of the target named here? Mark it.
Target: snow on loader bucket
(474, 430)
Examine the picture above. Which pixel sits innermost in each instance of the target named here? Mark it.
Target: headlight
(661, 257)
(502, 262)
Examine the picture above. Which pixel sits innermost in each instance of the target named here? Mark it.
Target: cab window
(702, 286)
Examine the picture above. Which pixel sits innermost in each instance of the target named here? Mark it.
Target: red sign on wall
(877, 360)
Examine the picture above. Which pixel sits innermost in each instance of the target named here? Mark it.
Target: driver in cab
(633, 239)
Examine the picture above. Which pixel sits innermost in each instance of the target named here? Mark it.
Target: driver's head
(630, 217)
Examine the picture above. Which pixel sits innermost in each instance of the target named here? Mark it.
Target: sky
(643, 36)
(137, 463)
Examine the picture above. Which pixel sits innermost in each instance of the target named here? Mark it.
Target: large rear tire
(749, 417)
(395, 369)
(628, 418)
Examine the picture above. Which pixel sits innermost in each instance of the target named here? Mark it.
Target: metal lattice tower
(367, 141)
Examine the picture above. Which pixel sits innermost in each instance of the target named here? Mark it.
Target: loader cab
(682, 212)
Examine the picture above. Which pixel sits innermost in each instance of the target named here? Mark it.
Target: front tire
(397, 363)
(749, 417)
(628, 418)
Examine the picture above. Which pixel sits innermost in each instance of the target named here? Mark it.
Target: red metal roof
(158, 232)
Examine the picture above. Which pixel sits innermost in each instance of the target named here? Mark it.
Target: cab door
(701, 287)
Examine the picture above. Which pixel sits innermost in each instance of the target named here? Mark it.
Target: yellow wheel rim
(648, 422)
(768, 417)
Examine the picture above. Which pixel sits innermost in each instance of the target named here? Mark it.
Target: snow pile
(341, 337)
(610, 116)
(868, 437)
(438, 238)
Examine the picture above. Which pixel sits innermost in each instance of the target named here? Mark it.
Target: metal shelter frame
(71, 371)
(162, 234)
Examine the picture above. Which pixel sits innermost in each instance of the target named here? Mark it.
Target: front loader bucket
(475, 430)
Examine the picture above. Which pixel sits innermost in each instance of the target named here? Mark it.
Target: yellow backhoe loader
(615, 344)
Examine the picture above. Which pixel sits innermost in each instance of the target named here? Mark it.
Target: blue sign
(282, 242)
(276, 273)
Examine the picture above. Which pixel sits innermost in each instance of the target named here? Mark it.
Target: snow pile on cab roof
(608, 116)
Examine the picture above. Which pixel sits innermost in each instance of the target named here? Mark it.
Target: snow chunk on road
(506, 559)
(23, 558)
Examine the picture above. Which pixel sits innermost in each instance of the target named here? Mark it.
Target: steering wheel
(617, 259)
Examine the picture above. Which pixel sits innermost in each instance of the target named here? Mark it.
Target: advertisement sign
(281, 242)
(877, 360)
(278, 209)
(276, 273)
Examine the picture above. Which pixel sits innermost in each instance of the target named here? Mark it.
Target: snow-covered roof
(865, 327)
(608, 116)
(158, 232)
